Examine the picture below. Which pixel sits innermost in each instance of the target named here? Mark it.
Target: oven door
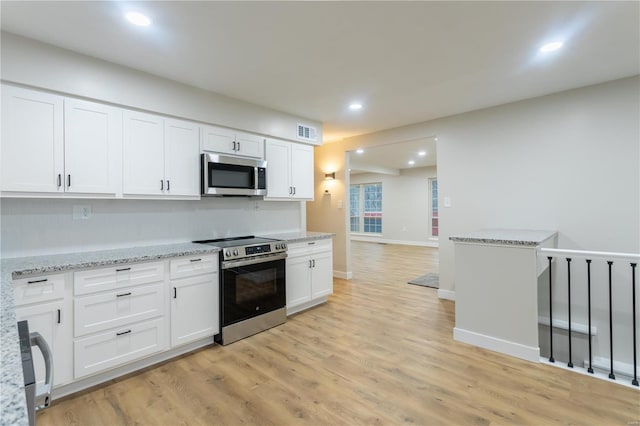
(252, 287)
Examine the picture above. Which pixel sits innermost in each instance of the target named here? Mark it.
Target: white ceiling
(390, 159)
(407, 62)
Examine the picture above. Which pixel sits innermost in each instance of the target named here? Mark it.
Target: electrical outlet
(81, 212)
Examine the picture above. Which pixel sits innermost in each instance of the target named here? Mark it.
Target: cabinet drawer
(117, 308)
(85, 282)
(309, 247)
(193, 265)
(119, 346)
(38, 289)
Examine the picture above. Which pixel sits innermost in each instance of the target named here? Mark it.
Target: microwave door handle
(255, 178)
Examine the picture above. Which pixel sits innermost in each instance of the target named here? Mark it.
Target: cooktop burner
(236, 241)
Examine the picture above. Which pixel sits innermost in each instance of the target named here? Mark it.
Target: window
(433, 183)
(366, 208)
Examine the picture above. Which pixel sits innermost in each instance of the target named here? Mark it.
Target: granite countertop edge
(13, 408)
(299, 237)
(507, 237)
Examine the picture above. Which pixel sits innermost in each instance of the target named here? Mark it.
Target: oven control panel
(254, 250)
(263, 248)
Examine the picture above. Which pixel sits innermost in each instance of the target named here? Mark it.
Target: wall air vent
(307, 133)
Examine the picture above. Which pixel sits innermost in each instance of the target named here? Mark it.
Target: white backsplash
(46, 226)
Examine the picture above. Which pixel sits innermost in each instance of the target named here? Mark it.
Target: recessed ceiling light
(550, 47)
(422, 153)
(435, 139)
(411, 162)
(355, 106)
(138, 19)
(360, 150)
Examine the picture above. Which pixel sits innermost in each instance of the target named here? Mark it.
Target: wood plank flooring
(379, 352)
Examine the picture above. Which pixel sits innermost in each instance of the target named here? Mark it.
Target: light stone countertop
(12, 398)
(300, 236)
(507, 237)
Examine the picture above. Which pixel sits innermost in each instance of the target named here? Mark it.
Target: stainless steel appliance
(252, 286)
(38, 397)
(232, 176)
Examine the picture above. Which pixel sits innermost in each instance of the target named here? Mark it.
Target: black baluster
(569, 364)
(590, 369)
(633, 301)
(611, 375)
(550, 316)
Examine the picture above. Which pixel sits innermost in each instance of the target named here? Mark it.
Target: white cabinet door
(53, 322)
(182, 158)
(92, 147)
(194, 308)
(277, 154)
(32, 141)
(218, 139)
(322, 274)
(302, 171)
(249, 145)
(298, 280)
(143, 154)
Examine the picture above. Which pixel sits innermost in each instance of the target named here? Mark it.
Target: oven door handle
(235, 263)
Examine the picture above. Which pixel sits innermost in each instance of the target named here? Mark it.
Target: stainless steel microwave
(223, 175)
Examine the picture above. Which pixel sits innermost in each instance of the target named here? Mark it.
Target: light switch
(447, 201)
(81, 212)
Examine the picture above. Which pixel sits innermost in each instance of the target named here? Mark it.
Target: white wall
(405, 204)
(32, 63)
(567, 161)
(40, 227)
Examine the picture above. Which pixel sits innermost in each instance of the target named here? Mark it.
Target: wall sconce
(328, 177)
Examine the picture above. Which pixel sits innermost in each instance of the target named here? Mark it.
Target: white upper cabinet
(226, 141)
(143, 154)
(31, 151)
(289, 170)
(160, 156)
(55, 145)
(92, 147)
(182, 158)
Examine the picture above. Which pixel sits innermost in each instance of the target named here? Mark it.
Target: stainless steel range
(252, 285)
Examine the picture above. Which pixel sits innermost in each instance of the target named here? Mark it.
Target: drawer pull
(195, 260)
(38, 281)
(59, 316)
(175, 293)
(311, 243)
(123, 294)
(123, 332)
(123, 269)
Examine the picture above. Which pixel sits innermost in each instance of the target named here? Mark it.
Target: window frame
(361, 210)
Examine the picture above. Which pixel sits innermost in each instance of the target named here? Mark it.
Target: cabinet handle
(314, 263)
(59, 316)
(168, 185)
(123, 332)
(37, 281)
(294, 190)
(175, 292)
(123, 269)
(59, 180)
(290, 190)
(69, 181)
(161, 184)
(123, 294)
(195, 260)
(238, 146)
(311, 243)
(309, 263)
(234, 146)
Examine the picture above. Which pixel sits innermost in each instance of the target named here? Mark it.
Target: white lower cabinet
(118, 346)
(195, 290)
(309, 274)
(41, 301)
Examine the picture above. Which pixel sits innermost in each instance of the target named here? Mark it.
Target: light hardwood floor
(379, 352)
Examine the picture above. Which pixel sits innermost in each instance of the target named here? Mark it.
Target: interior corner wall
(405, 204)
(568, 161)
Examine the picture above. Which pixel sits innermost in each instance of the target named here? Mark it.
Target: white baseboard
(446, 294)
(517, 350)
(342, 274)
(307, 305)
(604, 364)
(372, 239)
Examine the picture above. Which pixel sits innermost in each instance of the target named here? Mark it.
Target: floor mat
(429, 280)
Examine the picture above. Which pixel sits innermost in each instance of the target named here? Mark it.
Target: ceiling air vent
(307, 133)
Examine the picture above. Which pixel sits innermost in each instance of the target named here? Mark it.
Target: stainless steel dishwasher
(38, 397)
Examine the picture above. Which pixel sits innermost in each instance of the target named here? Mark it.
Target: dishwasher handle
(43, 392)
